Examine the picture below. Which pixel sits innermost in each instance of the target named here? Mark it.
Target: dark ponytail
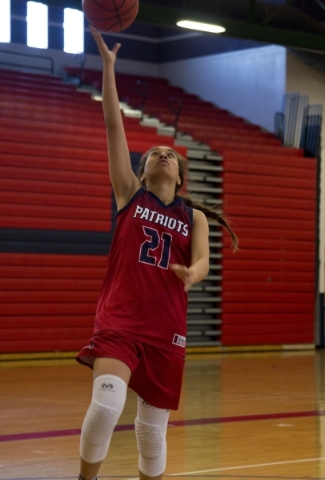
(212, 212)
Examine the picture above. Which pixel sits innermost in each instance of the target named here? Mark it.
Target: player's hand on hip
(108, 56)
(184, 273)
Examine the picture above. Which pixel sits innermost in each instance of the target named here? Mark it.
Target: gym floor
(241, 416)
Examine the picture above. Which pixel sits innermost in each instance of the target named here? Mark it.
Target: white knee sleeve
(109, 395)
(150, 429)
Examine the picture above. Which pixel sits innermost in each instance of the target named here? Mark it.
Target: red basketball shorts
(156, 374)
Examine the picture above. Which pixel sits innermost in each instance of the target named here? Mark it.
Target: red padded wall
(47, 301)
(268, 286)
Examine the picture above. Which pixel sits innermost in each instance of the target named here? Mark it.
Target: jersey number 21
(148, 253)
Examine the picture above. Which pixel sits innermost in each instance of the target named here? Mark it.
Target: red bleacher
(48, 302)
(53, 176)
(53, 140)
(268, 288)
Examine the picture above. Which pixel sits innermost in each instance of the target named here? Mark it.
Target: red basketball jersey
(140, 297)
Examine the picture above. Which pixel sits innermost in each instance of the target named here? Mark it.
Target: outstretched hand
(108, 56)
(184, 273)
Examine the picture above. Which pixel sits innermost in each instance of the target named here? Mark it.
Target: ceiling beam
(168, 17)
(320, 3)
(64, 3)
(252, 8)
(277, 12)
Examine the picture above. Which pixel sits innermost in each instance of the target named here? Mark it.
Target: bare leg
(142, 476)
(104, 366)
(88, 471)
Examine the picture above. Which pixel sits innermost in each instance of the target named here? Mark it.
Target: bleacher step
(191, 144)
(166, 130)
(214, 244)
(200, 288)
(203, 322)
(194, 177)
(148, 121)
(199, 154)
(206, 189)
(206, 168)
(215, 255)
(213, 201)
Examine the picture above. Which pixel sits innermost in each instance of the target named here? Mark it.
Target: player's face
(162, 159)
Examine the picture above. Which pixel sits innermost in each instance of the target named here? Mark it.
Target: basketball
(110, 15)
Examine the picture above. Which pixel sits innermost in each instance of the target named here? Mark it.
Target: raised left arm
(200, 253)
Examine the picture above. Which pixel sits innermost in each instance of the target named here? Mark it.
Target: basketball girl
(160, 248)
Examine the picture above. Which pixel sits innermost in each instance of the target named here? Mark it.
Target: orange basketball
(110, 15)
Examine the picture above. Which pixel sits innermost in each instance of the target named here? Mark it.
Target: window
(37, 25)
(73, 31)
(5, 32)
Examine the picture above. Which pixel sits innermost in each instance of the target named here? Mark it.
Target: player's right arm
(124, 181)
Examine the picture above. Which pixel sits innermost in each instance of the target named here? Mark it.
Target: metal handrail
(142, 89)
(81, 64)
(177, 111)
(279, 125)
(51, 68)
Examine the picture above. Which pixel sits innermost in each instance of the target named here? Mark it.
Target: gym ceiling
(295, 24)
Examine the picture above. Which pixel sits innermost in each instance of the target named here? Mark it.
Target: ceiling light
(204, 27)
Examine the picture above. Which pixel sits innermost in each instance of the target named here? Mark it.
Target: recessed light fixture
(204, 27)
